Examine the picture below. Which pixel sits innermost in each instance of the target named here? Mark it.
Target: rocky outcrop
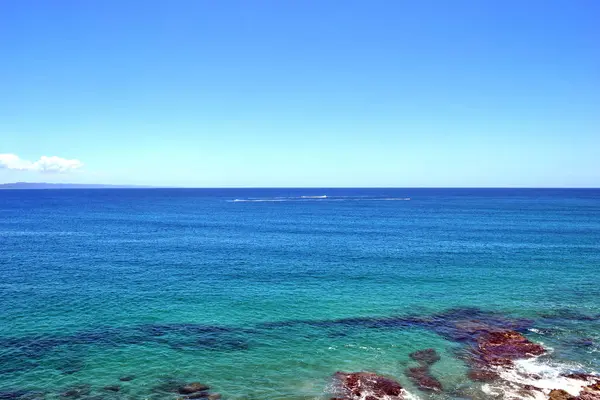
(559, 394)
(366, 386)
(494, 349)
(501, 348)
(591, 391)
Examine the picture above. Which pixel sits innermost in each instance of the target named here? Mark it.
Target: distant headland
(44, 185)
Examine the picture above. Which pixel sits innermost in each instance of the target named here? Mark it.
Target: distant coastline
(44, 185)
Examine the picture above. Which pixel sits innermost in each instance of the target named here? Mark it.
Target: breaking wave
(541, 374)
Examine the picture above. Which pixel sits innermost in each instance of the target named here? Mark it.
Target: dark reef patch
(583, 342)
(423, 379)
(421, 375)
(426, 356)
(167, 385)
(13, 395)
(170, 386)
(13, 361)
(457, 324)
(193, 387)
(489, 339)
(68, 363)
(76, 392)
(569, 315)
(19, 354)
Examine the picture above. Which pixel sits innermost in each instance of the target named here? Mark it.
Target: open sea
(266, 293)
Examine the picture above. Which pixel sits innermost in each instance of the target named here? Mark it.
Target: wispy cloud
(44, 164)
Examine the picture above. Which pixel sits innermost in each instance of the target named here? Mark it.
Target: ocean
(266, 293)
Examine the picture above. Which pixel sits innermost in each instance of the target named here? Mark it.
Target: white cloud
(44, 164)
(12, 161)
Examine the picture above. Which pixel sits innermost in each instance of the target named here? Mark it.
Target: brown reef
(366, 386)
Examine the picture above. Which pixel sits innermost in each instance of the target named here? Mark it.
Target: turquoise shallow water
(265, 293)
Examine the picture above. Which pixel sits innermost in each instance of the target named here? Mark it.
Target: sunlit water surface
(264, 294)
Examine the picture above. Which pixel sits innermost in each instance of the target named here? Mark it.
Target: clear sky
(301, 93)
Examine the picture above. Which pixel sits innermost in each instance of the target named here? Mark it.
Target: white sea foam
(538, 372)
(333, 387)
(405, 395)
(410, 396)
(395, 199)
(318, 198)
(255, 200)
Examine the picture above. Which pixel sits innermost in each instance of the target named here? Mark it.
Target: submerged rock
(201, 395)
(583, 342)
(366, 385)
(427, 356)
(198, 395)
(77, 391)
(12, 395)
(168, 385)
(422, 378)
(193, 387)
(71, 369)
(189, 391)
(35, 395)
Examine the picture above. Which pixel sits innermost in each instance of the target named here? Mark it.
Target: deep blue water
(265, 293)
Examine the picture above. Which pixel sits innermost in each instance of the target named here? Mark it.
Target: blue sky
(301, 93)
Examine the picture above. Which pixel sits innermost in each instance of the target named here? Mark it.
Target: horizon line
(135, 186)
